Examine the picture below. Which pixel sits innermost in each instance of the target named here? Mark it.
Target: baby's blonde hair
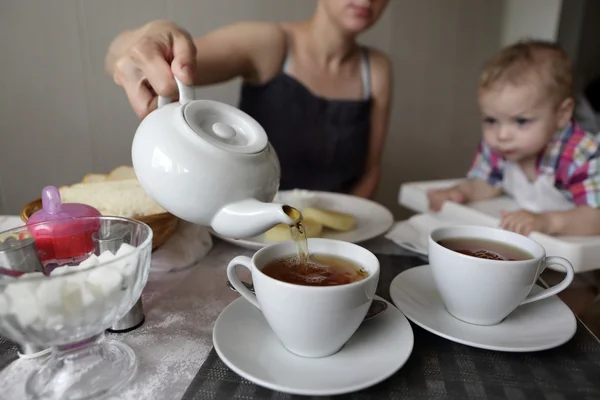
(515, 64)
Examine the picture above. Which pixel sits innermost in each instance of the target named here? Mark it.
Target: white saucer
(247, 345)
(536, 326)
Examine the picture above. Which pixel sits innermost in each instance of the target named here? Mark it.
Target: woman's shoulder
(381, 70)
(379, 59)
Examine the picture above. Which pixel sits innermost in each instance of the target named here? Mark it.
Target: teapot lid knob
(223, 130)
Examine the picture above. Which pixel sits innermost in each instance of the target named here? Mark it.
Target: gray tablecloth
(441, 369)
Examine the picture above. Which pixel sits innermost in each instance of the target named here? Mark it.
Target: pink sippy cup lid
(65, 239)
(54, 208)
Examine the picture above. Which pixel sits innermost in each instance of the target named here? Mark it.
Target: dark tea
(320, 270)
(487, 249)
(311, 269)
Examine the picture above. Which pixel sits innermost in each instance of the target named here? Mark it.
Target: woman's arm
(144, 61)
(251, 50)
(382, 82)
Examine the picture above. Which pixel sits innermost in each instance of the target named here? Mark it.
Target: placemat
(441, 369)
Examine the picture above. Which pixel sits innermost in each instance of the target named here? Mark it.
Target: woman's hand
(145, 61)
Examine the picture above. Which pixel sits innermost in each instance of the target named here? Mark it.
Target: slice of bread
(121, 173)
(90, 178)
(282, 232)
(124, 198)
(330, 219)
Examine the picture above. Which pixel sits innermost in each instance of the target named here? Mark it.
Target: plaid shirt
(572, 157)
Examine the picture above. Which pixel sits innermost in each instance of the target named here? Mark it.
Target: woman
(323, 100)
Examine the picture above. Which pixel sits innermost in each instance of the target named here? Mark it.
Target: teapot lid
(220, 124)
(225, 126)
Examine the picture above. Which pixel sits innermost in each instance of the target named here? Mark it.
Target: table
(175, 340)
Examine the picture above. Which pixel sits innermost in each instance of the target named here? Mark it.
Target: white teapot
(211, 164)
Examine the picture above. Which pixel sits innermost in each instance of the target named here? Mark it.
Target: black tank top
(322, 144)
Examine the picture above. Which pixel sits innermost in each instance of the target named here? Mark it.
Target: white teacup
(483, 291)
(310, 321)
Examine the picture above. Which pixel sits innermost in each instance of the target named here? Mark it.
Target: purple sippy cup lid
(71, 236)
(54, 208)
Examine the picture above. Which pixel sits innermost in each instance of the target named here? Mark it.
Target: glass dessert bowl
(60, 288)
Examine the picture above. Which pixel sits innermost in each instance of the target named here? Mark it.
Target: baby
(531, 147)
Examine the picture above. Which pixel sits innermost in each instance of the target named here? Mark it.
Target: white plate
(536, 326)
(372, 219)
(247, 345)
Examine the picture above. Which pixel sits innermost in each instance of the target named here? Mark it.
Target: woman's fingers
(184, 58)
(141, 96)
(151, 57)
(148, 67)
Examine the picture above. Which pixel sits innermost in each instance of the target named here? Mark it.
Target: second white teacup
(485, 291)
(310, 321)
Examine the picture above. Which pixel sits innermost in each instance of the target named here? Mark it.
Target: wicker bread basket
(163, 225)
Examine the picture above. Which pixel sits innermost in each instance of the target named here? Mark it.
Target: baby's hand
(524, 222)
(437, 198)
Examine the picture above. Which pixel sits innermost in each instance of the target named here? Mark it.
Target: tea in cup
(313, 308)
(483, 274)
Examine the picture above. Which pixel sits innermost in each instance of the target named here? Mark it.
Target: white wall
(533, 19)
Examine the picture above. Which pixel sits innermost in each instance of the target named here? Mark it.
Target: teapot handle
(186, 94)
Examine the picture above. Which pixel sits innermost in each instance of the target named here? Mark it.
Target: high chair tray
(582, 251)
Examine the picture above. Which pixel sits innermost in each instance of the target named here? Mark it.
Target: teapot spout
(251, 217)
